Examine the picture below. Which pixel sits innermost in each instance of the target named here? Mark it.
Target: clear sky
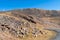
(42, 4)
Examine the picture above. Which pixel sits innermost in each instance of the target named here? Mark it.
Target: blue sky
(41, 4)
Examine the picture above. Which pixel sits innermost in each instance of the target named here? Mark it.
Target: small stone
(36, 32)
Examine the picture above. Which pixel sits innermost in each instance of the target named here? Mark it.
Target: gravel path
(56, 30)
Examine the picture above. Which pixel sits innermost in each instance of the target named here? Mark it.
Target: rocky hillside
(39, 12)
(28, 24)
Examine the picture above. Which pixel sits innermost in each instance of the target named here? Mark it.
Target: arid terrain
(30, 24)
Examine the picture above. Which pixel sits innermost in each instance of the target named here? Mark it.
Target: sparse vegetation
(28, 24)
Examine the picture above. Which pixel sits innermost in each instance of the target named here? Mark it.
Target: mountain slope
(28, 24)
